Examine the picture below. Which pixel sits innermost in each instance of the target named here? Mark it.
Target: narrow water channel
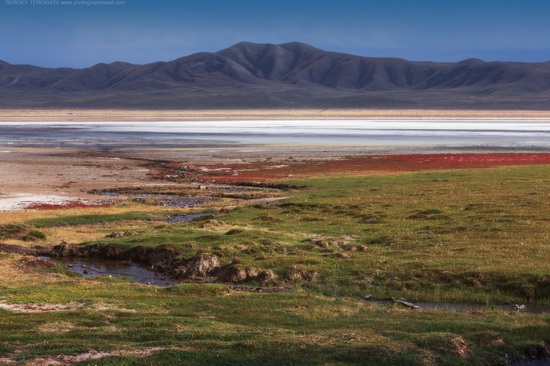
(184, 218)
(535, 309)
(532, 363)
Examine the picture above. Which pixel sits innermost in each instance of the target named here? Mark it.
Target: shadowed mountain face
(292, 75)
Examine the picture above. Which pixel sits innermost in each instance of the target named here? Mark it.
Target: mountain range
(291, 75)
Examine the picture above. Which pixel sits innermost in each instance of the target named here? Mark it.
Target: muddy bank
(203, 267)
(34, 251)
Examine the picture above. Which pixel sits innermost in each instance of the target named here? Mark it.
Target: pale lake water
(433, 134)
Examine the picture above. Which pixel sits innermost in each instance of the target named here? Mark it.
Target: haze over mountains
(292, 75)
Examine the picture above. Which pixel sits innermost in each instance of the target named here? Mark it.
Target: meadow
(460, 237)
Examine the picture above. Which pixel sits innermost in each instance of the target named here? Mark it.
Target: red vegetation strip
(373, 163)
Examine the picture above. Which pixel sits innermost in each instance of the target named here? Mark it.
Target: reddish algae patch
(369, 163)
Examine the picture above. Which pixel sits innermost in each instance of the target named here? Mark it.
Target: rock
(349, 247)
(295, 276)
(267, 277)
(239, 274)
(321, 243)
(252, 273)
(309, 276)
(235, 275)
(201, 265)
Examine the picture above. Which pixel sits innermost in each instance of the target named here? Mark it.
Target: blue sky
(141, 31)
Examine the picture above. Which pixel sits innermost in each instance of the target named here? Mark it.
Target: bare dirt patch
(46, 178)
(97, 355)
(36, 263)
(39, 308)
(56, 327)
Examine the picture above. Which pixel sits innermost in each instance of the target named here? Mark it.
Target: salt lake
(429, 134)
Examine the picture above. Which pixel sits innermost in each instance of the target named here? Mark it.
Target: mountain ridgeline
(292, 75)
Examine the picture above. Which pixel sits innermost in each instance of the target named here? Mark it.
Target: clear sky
(51, 33)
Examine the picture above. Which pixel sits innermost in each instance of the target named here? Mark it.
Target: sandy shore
(80, 115)
(53, 175)
(50, 176)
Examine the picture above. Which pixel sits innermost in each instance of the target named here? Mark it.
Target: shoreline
(54, 176)
(93, 115)
(70, 165)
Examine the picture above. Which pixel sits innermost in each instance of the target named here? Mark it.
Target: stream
(534, 309)
(532, 363)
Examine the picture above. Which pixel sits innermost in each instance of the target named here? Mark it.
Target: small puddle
(95, 267)
(184, 218)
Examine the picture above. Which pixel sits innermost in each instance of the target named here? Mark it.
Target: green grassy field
(474, 237)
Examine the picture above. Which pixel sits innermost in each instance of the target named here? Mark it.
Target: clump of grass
(12, 231)
(34, 235)
(20, 232)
